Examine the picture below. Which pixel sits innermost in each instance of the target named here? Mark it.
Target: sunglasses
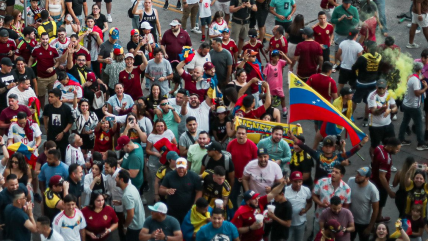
(14, 162)
(164, 104)
(252, 36)
(181, 163)
(84, 99)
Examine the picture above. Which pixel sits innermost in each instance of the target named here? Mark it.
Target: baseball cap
(262, 151)
(347, 1)
(159, 207)
(135, 32)
(275, 53)
(118, 50)
(90, 76)
(296, 175)
(353, 31)
(114, 33)
(381, 83)
(122, 141)
(226, 30)
(252, 33)
(365, 171)
(208, 66)
(221, 109)
(329, 141)
(56, 180)
(346, 91)
(213, 146)
(174, 23)
(129, 55)
(4, 33)
(172, 155)
(250, 195)
(307, 31)
(23, 77)
(332, 224)
(145, 25)
(6, 61)
(181, 162)
(252, 52)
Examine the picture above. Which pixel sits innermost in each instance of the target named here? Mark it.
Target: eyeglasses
(14, 162)
(164, 104)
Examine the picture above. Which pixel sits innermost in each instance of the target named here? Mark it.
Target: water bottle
(88, 156)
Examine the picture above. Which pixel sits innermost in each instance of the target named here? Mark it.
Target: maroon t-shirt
(132, 82)
(382, 162)
(42, 159)
(98, 222)
(323, 84)
(174, 44)
(191, 86)
(8, 114)
(309, 51)
(82, 50)
(45, 60)
(322, 35)
(6, 47)
(24, 50)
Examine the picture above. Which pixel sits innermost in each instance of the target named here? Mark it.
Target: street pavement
(309, 9)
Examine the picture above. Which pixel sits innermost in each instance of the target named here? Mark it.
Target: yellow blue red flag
(307, 104)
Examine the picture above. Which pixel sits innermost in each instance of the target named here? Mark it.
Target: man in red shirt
(278, 41)
(46, 58)
(11, 112)
(249, 228)
(173, 41)
(229, 44)
(242, 151)
(131, 76)
(309, 55)
(249, 102)
(194, 83)
(323, 83)
(323, 33)
(7, 45)
(27, 44)
(381, 172)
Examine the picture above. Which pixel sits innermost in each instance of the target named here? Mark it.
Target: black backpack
(130, 15)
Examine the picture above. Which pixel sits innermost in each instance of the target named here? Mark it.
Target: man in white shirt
(193, 107)
(22, 90)
(25, 131)
(261, 174)
(73, 153)
(43, 225)
(61, 44)
(70, 223)
(381, 104)
(202, 56)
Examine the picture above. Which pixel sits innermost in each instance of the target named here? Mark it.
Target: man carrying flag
(67, 87)
(24, 130)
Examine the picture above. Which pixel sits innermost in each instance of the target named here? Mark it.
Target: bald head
(197, 73)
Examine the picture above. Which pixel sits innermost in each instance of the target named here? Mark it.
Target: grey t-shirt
(186, 141)
(410, 99)
(362, 199)
(106, 48)
(158, 70)
(169, 225)
(131, 200)
(221, 60)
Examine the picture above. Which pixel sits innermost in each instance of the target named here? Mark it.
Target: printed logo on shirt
(56, 119)
(220, 237)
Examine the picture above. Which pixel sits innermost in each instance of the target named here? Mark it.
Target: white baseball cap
(145, 25)
(129, 55)
(181, 162)
(159, 207)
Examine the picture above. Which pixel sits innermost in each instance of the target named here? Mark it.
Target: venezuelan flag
(193, 221)
(27, 151)
(307, 104)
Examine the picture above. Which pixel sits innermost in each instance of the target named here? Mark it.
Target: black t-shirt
(242, 13)
(185, 192)
(5, 80)
(294, 39)
(283, 211)
(89, 92)
(212, 164)
(138, 60)
(220, 128)
(75, 188)
(303, 163)
(77, 6)
(59, 118)
(28, 72)
(100, 21)
(75, 72)
(12, 34)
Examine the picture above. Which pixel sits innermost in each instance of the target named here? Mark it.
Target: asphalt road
(310, 10)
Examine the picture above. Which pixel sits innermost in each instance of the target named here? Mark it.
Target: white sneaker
(197, 26)
(393, 169)
(394, 118)
(409, 25)
(195, 30)
(109, 19)
(412, 46)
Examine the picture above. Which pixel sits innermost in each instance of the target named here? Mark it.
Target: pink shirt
(262, 177)
(273, 75)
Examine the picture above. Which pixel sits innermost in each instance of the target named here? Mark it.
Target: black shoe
(426, 135)
(178, 5)
(405, 143)
(37, 198)
(166, 5)
(408, 131)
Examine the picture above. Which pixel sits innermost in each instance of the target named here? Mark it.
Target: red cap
(90, 76)
(122, 141)
(208, 66)
(135, 32)
(56, 180)
(296, 175)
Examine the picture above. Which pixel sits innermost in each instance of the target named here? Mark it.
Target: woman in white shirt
(56, 10)
(95, 182)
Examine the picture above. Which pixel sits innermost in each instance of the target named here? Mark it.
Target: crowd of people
(110, 149)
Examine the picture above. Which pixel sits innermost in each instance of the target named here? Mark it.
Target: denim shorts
(206, 21)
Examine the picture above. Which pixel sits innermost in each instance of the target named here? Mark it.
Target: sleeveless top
(150, 18)
(23, 179)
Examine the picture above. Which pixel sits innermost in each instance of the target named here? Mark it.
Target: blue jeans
(416, 115)
(382, 17)
(297, 233)
(234, 193)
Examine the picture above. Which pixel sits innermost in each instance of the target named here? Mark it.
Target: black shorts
(361, 94)
(383, 195)
(379, 133)
(345, 76)
(426, 105)
(10, 3)
(285, 25)
(261, 15)
(106, 1)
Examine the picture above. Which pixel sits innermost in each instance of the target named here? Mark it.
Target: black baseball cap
(329, 141)
(352, 33)
(213, 146)
(307, 31)
(262, 151)
(4, 33)
(6, 61)
(346, 91)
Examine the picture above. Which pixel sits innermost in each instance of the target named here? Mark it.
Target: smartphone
(110, 118)
(259, 82)
(187, 93)
(86, 128)
(421, 166)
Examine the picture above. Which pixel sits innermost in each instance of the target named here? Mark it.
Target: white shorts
(222, 6)
(423, 23)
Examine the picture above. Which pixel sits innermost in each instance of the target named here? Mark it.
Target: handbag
(130, 14)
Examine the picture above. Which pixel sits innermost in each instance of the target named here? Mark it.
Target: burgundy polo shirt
(6, 47)
(174, 44)
(45, 60)
(190, 85)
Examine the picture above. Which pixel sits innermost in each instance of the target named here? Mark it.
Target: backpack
(130, 15)
(227, 160)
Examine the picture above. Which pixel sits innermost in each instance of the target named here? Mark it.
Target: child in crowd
(417, 222)
(217, 25)
(273, 72)
(205, 15)
(255, 44)
(229, 44)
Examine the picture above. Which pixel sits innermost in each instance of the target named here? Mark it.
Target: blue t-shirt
(117, 104)
(227, 231)
(15, 219)
(46, 172)
(6, 198)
